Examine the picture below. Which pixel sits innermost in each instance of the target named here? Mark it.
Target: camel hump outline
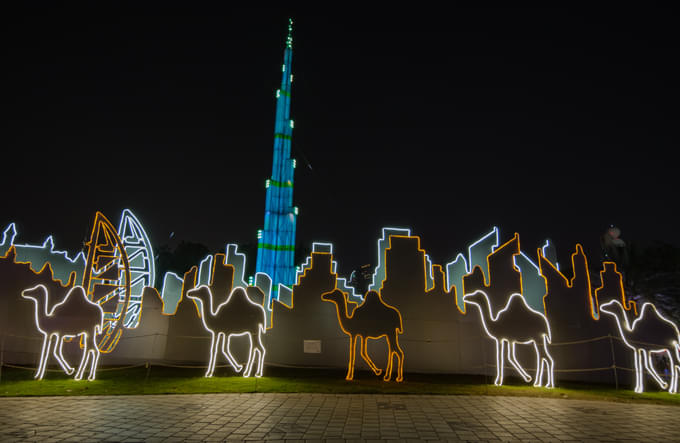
(373, 303)
(74, 316)
(651, 333)
(516, 323)
(372, 319)
(236, 316)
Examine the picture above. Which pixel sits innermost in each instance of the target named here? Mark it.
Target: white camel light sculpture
(516, 323)
(237, 316)
(650, 333)
(74, 316)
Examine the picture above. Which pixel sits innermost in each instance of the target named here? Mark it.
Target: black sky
(548, 122)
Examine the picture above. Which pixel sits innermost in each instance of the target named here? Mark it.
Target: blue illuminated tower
(276, 242)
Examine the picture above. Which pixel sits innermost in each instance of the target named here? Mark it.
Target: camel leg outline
(675, 369)
(513, 361)
(550, 363)
(649, 365)
(257, 354)
(59, 355)
(539, 367)
(352, 349)
(44, 355)
(84, 359)
(639, 382)
(638, 370)
(90, 355)
(388, 369)
(93, 359)
(257, 351)
(400, 355)
(95, 355)
(214, 343)
(94, 349)
(675, 374)
(226, 351)
(543, 357)
(673, 384)
(363, 345)
(260, 348)
(500, 361)
(257, 360)
(251, 357)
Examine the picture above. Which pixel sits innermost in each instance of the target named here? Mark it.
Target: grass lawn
(164, 380)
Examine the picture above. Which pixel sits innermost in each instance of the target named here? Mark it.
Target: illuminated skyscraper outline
(276, 242)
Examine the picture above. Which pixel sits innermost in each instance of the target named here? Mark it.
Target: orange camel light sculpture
(372, 319)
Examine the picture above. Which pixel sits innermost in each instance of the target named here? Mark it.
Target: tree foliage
(181, 259)
(654, 275)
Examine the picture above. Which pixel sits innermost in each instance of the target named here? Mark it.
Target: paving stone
(318, 417)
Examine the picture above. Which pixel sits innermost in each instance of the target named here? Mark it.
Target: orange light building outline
(71, 278)
(569, 283)
(301, 275)
(389, 247)
(191, 274)
(627, 305)
(488, 266)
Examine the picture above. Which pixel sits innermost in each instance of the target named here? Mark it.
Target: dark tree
(654, 276)
(185, 255)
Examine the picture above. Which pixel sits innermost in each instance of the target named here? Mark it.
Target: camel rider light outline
(372, 319)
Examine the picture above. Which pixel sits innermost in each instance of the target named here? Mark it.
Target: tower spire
(276, 242)
(289, 40)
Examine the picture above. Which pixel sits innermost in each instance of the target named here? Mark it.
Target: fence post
(2, 355)
(611, 346)
(485, 366)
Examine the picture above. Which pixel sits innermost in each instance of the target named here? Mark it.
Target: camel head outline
(86, 321)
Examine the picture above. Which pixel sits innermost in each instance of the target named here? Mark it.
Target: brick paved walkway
(322, 417)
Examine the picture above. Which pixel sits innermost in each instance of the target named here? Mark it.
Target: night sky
(547, 122)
